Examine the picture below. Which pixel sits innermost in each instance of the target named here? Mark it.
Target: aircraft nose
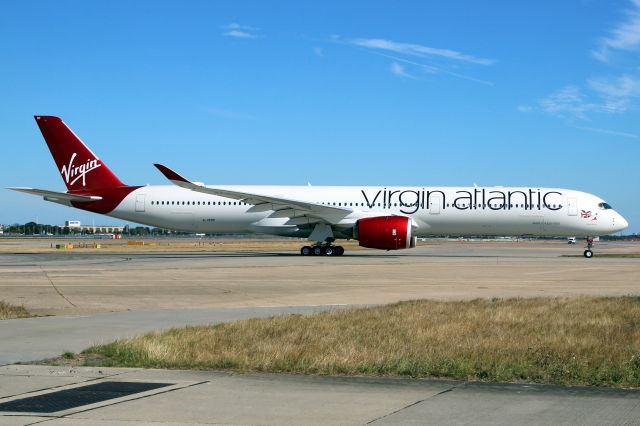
(621, 223)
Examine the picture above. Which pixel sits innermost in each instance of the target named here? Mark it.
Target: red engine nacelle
(384, 232)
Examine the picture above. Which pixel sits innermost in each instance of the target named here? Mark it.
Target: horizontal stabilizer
(58, 196)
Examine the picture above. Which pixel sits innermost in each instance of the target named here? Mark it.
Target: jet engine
(384, 232)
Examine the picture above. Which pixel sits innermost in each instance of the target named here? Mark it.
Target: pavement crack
(56, 288)
(48, 419)
(412, 404)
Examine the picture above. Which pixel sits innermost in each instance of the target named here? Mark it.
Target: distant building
(76, 226)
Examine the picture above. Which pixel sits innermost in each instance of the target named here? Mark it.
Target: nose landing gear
(588, 253)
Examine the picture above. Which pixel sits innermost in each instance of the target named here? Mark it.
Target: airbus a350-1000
(381, 217)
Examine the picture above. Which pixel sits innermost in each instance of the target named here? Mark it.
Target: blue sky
(532, 93)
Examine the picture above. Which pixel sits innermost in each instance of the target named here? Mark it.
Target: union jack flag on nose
(585, 214)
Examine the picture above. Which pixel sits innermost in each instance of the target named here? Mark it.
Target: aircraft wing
(58, 196)
(282, 207)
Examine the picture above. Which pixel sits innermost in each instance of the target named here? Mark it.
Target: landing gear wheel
(318, 251)
(305, 251)
(339, 250)
(588, 253)
(330, 251)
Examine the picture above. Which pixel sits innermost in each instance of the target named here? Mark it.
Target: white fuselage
(381, 217)
(434, 210)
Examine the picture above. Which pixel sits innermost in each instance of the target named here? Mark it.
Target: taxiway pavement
(71, 283)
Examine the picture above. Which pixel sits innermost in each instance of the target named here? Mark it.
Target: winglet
(170, 174)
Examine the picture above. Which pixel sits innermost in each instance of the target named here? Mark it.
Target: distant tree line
(32, 228)
(630, 237)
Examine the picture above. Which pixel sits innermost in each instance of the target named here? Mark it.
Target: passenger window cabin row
(340, 204)
(198, 203)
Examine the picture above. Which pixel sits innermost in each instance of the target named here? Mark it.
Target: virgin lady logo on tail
(72, 173)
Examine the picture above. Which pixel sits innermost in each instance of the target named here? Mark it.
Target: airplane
(379, 217)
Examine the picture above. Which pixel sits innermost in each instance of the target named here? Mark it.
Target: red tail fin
(81, 170)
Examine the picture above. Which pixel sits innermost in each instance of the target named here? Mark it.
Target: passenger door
(140, 202)
(434, 205)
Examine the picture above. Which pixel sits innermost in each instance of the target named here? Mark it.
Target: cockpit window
(604, 206)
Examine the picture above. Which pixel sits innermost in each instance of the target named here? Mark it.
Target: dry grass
(8, 311)
(578, 341)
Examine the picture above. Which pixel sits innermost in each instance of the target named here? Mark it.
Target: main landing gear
(588, 253)
(322, 250)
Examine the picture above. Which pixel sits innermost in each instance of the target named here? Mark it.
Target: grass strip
(571, 341)
(8, 311)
